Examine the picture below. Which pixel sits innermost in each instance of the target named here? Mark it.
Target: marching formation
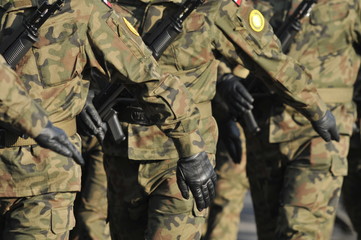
(151, 119)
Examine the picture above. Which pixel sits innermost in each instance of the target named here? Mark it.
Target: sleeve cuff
(32, 120)
(189, 144)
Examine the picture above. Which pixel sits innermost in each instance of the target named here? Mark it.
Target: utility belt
(10, 139)
(133, 113)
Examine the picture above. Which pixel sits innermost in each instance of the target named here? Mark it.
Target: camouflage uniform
(144, 192)
(350, 189)
(16, 107)
(91, 204)
(295, 176)
(38, 186)
(232, 182)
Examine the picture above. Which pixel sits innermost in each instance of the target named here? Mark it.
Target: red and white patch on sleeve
(238, 2)
(107, 3)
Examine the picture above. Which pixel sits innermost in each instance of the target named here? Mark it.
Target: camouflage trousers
(295, 186)
(232, 186)
(91, 203)
(41, 217)
(144, 201)
(351, 188)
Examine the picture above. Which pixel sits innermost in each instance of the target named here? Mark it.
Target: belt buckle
(137, 115)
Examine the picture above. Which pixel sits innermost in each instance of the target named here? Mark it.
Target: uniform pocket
(129, 35)
(62, 220)
(58, 52)
(328, 19)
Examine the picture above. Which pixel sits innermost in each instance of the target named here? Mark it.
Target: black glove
(89, 121)
(326, 127)
(236, 96)
(56, 140)
(230, 135)
(197, 174)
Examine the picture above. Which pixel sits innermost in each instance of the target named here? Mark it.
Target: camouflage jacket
(217, 28)
(328, 46)
(52, 73)
(16, 107)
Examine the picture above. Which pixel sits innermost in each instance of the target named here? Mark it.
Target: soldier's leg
(232, 186)
(265, 173)
(42, 217)
(92, 210)
(144, 201)
(311, 189)
(127, 202)
(170, 215)
(351, 188)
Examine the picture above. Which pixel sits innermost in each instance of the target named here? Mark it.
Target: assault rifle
(157, 39)
(292, 25)
(104, 103)
(20, 42)
(165, 31)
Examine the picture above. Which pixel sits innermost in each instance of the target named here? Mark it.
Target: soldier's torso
(189, 57)
(326, 46)
(51, 70)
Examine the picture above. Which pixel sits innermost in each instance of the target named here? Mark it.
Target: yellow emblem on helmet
(130, 27)
(256, 20)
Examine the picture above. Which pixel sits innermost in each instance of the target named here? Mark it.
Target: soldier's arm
(16, 107)
(243, 34)
(164, 98)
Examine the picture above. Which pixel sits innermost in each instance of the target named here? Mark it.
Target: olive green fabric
(296, 185)
(16, 107)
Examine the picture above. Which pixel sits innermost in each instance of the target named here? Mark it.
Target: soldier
(295, 176)
(232, 182)
(38, 186)
(142, 171)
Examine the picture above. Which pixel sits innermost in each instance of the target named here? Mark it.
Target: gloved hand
(56, 140)
(196, 173)
(230, 135)
(235, 95)
(89, 121)
(326, 127)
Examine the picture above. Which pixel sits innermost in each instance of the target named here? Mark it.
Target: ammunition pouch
(10, 139)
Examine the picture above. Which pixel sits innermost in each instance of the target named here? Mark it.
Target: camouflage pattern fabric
(232, 182)
(298, 181)
(52, 72)
(222, 27)
(91, 204)
(43, 217)
(146, 203)
(215, 27)
(16, 107)
(232, 186)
